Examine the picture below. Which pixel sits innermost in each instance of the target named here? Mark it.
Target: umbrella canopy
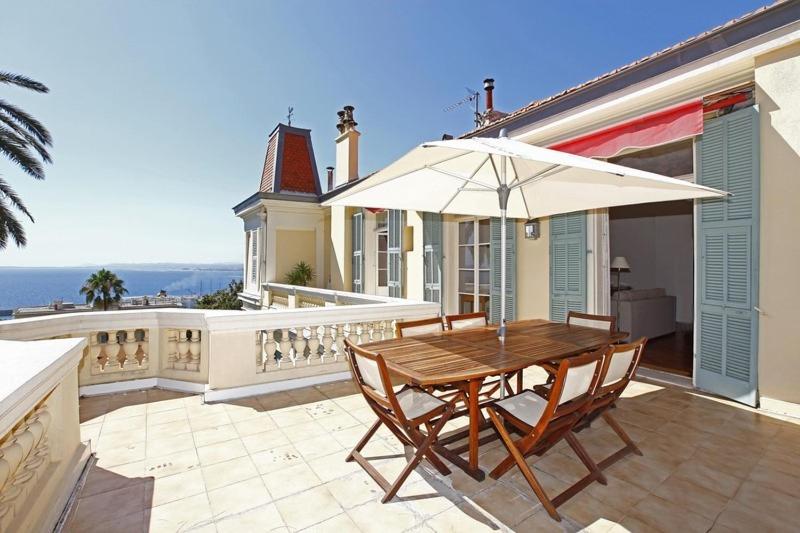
(468, 176)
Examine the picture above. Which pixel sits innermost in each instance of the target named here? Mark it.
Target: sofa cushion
(641, 294)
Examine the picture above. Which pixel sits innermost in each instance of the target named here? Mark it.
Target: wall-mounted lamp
(532, 229)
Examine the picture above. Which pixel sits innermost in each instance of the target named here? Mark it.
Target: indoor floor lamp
(618, 265)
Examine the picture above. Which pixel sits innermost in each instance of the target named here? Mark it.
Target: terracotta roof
(705, 35)
(289, 165)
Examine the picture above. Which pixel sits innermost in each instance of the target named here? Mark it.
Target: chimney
(488, 86)
(330, 178)
(346, 147)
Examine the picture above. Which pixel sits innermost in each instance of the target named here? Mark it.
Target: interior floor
(670, 353)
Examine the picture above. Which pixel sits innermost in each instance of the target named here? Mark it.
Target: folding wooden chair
(544, 422)
(402, 412)
(419, 327)
(479, 320)
(608, 322)
(619, 367)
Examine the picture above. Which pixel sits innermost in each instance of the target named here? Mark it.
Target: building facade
(721, 109)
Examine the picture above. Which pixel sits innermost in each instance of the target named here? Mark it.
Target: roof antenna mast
(290, 115)
(473, 97)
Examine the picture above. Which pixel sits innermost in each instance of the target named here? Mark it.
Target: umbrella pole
(502, 193)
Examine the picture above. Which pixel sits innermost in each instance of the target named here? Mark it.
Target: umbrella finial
(503, 134)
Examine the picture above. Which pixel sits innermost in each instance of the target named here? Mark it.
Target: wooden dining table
(465, 358)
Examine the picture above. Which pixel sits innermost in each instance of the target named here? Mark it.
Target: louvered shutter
(432, 250)
(357, 238)
(727, 328)
(511, 270)
(567, 264)
(395, 221)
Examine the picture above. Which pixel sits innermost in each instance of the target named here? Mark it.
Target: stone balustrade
(41, 456)
(223, 354)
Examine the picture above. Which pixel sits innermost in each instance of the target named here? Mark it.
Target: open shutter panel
(432, 249)
(395, 220)
(727, 244)
(357, 267)
(567, 264)
(511, 270)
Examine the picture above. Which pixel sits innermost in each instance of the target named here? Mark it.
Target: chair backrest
(372, 377)
(606, 322)
(619, 366)
(419, 327)
(466, 321)
(573, 390)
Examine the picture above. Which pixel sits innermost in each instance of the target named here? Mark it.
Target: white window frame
(381, 231)
(253, 248)
(476, 294)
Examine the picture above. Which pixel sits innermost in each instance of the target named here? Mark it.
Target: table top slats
(457, 356)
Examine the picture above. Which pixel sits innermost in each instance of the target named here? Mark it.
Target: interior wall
(657, 240)
(293, 246)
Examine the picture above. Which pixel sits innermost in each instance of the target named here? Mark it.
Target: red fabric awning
(668, 125)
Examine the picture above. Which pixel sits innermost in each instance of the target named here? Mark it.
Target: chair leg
(364, 440)
(621, 433)
(519, 459)
(587, 461)
(422, 451)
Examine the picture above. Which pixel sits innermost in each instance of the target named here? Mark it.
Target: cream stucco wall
(533, 273)
(340, 248)
(778, 96)
(292, 247)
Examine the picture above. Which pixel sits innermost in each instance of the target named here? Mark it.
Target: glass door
(474, 269)
(382, 247)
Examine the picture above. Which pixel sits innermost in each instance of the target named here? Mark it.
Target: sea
(24, 287)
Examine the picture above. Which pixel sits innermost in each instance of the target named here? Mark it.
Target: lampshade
(620, 263)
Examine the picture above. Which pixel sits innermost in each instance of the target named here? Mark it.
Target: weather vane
(289, 116)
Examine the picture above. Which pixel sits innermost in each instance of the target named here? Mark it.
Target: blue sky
(160, 110)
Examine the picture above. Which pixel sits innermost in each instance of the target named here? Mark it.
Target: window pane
(382, 260)
(466, 281)
(483, 231)
(483, 304)
(466, 232)
(483, 278)
(383, 278)
(466, 257)
(380, 220)
(383, 242)
(484, 256)
(465, 303)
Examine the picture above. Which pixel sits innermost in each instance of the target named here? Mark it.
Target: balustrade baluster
(327, 343)
(299, 345)
(286, 346)
(313, 344)
(339, 342)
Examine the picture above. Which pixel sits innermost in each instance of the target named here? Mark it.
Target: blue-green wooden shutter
(395, 220)
(511, 270)
(567, 264)
(357, 241)
(727, 344)
(432, 253)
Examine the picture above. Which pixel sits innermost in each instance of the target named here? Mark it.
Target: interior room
(652, 253)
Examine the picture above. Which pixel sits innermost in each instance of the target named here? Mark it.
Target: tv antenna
(473, 97)
(290, 115)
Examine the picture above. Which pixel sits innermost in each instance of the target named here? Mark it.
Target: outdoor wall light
(532, 229)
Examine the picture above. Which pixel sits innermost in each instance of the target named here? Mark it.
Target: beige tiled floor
(167, 462)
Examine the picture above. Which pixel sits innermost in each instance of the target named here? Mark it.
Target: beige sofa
(644, 312)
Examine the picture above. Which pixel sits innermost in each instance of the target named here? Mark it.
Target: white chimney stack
(346, 147)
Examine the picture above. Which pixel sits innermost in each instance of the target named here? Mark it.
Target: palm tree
(20, 136)
(102, 288)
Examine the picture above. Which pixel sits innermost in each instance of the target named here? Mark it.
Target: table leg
(474, 422)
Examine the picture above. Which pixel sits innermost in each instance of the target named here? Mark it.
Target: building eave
(694, 49)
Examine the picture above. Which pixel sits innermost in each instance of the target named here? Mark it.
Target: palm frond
(17, 151)
(26, 137)
(27, 121)
(12, 196)
(23, 81)
(10, 228)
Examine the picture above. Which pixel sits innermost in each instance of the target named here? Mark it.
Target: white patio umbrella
(508, 178)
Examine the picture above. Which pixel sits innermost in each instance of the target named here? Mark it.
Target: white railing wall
(224, 353)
